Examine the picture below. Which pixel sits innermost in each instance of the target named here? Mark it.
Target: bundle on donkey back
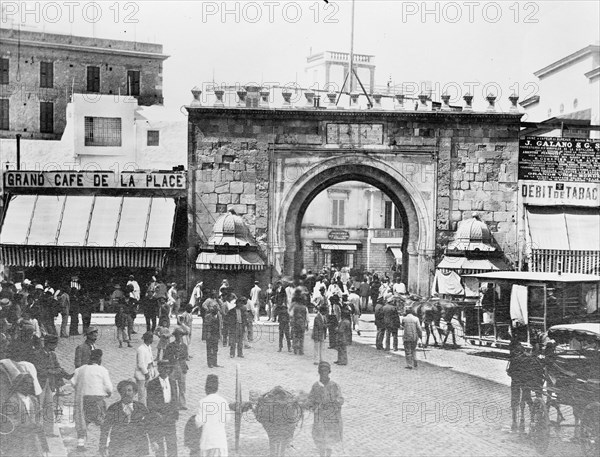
(279, 412)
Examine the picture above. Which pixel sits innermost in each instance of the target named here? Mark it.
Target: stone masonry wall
(475, 155)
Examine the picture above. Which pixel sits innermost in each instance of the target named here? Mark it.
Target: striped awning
(81, 257)
(232, 261)
(87, 231)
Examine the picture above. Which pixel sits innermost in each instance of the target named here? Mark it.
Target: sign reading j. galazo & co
(559, 171)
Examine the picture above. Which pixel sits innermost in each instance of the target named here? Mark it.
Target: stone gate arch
(418, 242)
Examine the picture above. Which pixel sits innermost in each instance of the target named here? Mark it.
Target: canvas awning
(563, 228)
(396, 252)
(87, 231)
(249, 260)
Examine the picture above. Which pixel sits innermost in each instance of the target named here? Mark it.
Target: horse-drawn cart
(521, 303)
(572, 378)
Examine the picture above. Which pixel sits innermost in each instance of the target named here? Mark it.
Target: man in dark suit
(126, 423)
(163, 402)
(391, 320)
(237, 324)
(83, 351)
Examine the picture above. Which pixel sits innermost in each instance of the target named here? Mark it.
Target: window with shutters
(133, 82)
(46, 117)
(4, 71)
(93, 79)
(391, 216)
(47, 74)
(337, 214)
(4, 118)
(102, 131)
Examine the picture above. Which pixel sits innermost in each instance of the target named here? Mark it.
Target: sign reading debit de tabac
(94, 180)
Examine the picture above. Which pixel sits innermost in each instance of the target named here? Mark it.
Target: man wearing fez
(163, 404)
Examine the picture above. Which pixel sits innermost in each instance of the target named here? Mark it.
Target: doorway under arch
(417, 242)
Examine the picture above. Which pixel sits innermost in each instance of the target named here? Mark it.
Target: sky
(462, 46)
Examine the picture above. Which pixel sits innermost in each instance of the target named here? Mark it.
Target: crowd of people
(150, 402)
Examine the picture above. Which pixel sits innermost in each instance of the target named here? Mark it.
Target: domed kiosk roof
(231, 230)
(472, 235)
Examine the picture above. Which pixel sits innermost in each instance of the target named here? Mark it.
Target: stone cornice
(196, 111)
(80, 48)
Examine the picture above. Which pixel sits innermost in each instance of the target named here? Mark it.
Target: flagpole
(351, 67)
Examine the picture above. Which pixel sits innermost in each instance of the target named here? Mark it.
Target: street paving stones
(457, 403)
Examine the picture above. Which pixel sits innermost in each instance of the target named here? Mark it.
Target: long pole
(351, 67)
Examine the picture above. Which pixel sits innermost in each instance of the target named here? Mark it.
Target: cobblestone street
(388, 410)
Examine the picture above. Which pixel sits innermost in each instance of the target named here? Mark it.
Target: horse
(430, 311)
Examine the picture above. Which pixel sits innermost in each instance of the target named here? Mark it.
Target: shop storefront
(559, 193)
(97, 227)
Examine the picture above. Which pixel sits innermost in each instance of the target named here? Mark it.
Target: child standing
(318, 333)
(164, 336)
(122, 321)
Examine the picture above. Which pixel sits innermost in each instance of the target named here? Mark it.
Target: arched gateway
(417, 241)
(269, 164)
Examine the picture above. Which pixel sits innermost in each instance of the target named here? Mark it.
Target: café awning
(248, 260)
(87, 231)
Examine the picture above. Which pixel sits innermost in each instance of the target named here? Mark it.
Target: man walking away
(92, 385)
(255, 294)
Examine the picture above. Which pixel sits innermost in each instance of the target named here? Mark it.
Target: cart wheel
(590, 430)
(540, 426)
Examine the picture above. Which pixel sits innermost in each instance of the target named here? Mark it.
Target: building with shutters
(40, 71)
